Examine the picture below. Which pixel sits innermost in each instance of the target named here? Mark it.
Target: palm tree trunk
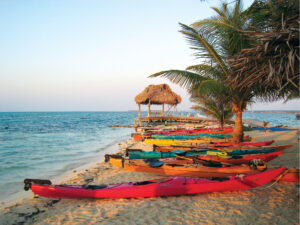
(221, 122)
(222, 126)
(238, 126)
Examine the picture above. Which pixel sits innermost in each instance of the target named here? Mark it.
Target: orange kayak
(195, 170)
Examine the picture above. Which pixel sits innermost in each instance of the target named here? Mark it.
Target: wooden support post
(149, 112)
(163, 109)
(139, 111)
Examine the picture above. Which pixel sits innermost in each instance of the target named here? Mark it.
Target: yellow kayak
(178, 142)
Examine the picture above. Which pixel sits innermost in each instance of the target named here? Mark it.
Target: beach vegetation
(247, 128)
(214, 107)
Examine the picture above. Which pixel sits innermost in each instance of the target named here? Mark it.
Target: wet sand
(275, 203)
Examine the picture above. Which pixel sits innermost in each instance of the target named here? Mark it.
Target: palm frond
(220, 12)
(213, 106)
(237, 9)
(212, 88)
(207, 71)
(182, 77)
(215, 23)
(205, 49)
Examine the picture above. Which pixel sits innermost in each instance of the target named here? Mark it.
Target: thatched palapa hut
(157, 95)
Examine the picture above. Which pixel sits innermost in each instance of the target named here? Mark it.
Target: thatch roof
(157, 95)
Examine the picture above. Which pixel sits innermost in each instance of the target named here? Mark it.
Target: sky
(75, 55)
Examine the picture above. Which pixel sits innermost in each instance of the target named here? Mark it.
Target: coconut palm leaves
(204, 45)
(205, 77)
(271, 67)
(184, 78)
(226, 28)
(217, 104)
(215, 109)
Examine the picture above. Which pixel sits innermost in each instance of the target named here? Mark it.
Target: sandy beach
(275, 203)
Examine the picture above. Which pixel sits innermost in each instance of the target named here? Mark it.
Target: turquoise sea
(275, 118)
(47, 144)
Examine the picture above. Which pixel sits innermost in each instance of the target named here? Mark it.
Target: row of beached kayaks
(199, 160)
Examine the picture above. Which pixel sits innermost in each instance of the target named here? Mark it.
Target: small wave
(17, 167)
(115, 141)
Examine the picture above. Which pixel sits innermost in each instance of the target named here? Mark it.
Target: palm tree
(214, 41)
(271, 67)
(265, 125)
(211, 106)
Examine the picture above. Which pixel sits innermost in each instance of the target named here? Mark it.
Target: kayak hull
(273, 129)
(194, 136)
(193, 131)
(161, 187)
(188, 142)
(197, 170)
(233, 149)
(243, 159)
(290, 175)
(185, 146)
(178, 142)
(161, 155)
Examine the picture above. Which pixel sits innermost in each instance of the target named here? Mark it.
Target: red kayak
(187, 131)
(154, 188)
(263, 143)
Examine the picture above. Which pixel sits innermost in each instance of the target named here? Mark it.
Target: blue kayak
(162, 155)
(251, 151)
(175, 153)
(273, 129)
